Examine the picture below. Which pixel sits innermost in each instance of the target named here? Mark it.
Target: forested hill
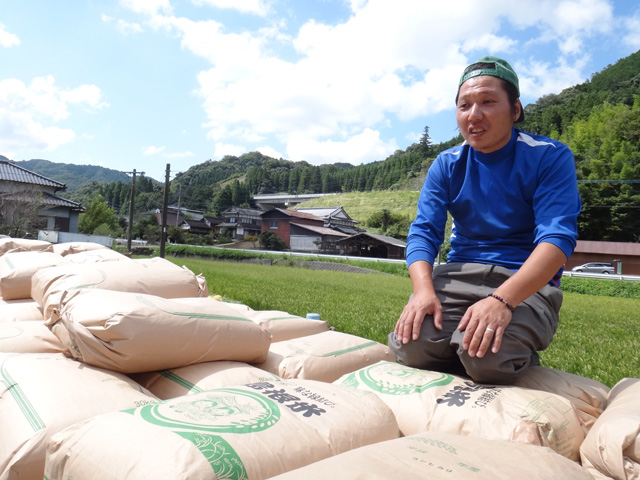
(73, 176)
(552, 114)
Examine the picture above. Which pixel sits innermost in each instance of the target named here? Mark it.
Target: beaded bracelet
(498, 297)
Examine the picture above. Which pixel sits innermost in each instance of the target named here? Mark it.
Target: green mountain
(73, 176)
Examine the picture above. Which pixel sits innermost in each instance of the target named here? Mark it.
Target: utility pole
(179, 198)
(131, 205)
(165, 206)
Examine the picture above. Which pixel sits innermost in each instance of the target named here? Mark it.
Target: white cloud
(489, 43)
(255, 7)
(222, 149)
(361, 148)
(148, 7)
(153, 150)
(269, 152)
(538, 79)
(25, 111)
(128, 28)
(8, 39)
(84, 94)
(632, 38)
(566, 23)
(19, 131)
(356, 5)
(43, 98)
(346, 83)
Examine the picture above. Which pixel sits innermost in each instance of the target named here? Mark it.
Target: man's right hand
(420, 305)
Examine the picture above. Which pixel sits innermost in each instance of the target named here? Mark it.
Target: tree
(98, 214)
(270, 241)
(425, 142)
(223, 200)
(19, 212)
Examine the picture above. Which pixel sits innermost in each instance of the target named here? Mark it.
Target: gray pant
(458, 286)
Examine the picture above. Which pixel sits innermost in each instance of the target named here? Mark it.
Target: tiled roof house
(20, 188)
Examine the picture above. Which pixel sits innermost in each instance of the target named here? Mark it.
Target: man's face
(484, 115)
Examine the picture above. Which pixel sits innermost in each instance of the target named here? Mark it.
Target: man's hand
(484, 324)
(410, 321)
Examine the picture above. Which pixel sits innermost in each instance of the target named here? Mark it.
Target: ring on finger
(490, 330)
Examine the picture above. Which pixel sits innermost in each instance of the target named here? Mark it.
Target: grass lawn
(598, 336)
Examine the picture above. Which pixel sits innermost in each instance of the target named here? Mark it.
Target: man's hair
(512, 95)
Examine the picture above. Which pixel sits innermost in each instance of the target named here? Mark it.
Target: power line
(608, 181)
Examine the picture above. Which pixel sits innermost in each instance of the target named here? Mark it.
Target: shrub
(270, 241)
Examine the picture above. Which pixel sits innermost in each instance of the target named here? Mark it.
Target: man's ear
(517, 111)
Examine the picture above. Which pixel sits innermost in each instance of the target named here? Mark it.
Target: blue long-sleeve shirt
(503, 203)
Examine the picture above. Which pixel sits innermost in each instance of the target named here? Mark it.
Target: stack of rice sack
(211, 389)
(22, 327)
(252, 431)
(324, 356)
(42, 394)
(155, 276)
(442, 456)
(611, 449)
(425, 401)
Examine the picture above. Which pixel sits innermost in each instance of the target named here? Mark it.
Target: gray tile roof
(49, 201)
(321, 230)
(13, 173)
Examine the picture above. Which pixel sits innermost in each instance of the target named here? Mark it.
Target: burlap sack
(132, 332)
(67, 248)
(282, 325)
(324, 356)
(246, 432)
(423, 401)
(94, 256)
(199, 377)
(156, 276)
(17, 268)
(41, 394)
(442, 456)
(20, 310)
(28, 337)
(611, 449)
(588, 397)
(22, 245)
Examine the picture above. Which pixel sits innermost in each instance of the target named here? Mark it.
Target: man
(514, 202)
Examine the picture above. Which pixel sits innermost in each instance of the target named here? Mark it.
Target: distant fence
(66, 237)
(139, 243)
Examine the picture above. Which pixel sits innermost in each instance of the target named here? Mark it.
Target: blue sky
(139, 84)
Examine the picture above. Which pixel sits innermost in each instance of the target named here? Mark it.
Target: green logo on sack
(224, 460)
(223, 410)
(396, 379)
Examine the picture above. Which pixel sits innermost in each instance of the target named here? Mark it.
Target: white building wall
(304, 243)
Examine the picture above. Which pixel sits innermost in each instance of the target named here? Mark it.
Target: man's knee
(495, 369)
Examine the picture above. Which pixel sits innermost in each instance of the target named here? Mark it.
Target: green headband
(492, 66)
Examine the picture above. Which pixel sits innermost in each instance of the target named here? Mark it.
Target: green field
(598, 336)
(360, 205)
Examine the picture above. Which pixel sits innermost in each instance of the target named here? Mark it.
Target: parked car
(595, 267)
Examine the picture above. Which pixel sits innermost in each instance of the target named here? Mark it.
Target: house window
(273, 224)
(232, 220)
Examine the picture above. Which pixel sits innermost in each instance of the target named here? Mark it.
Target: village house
(335, 218)
(294, 228)
(241, 222)
(365, 244)
(192, 221)
(23, 191)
